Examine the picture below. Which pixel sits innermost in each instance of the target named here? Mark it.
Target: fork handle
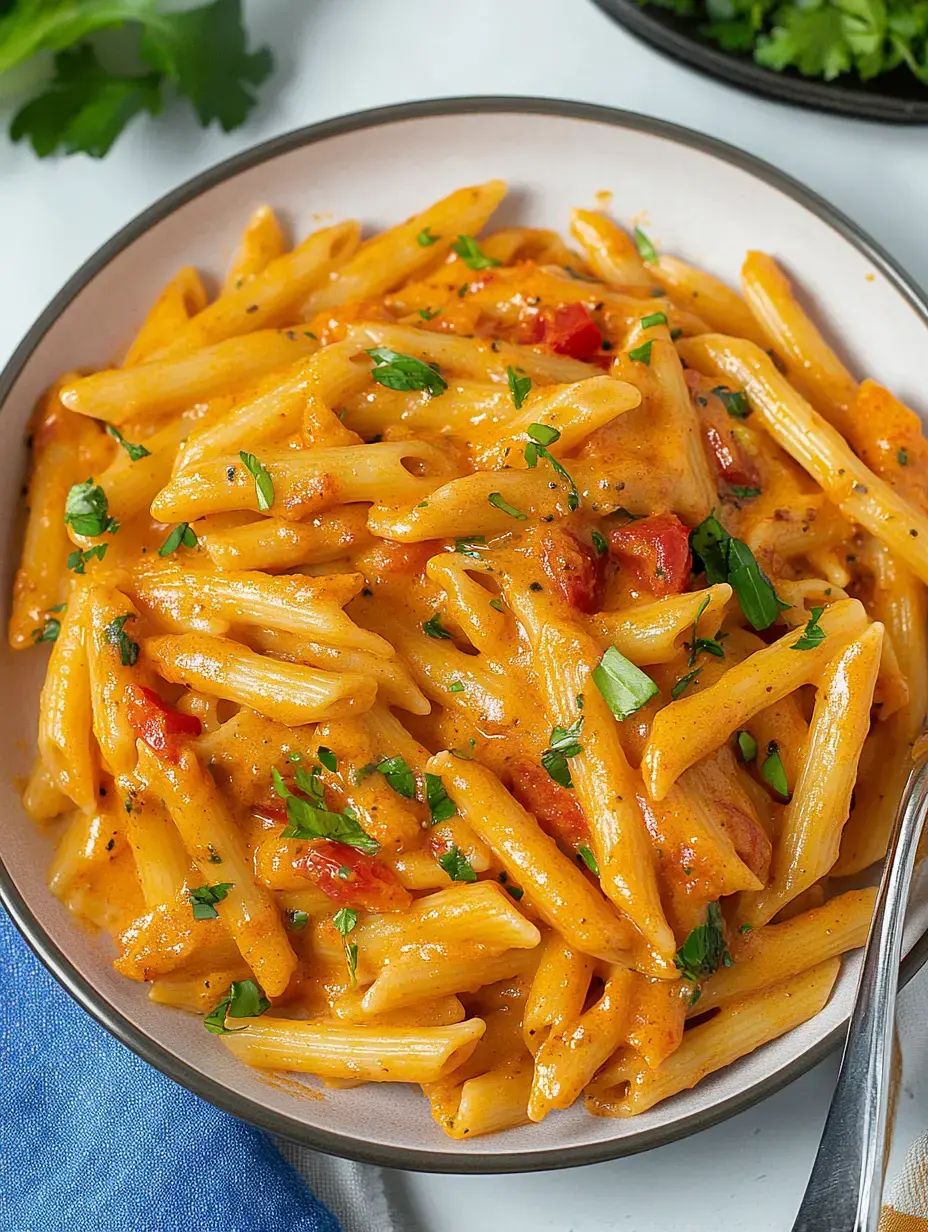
(845, 1188)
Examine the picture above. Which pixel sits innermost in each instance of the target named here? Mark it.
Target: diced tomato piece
(574, 569)
(659, 548)
(733, 464)
(556, 808)
(352, 877)
(161, 726)
(569, 330)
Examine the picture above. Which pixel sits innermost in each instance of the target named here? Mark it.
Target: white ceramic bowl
(698, 198)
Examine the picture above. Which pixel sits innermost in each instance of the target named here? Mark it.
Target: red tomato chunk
(352, 877)
(161, 726)
(659, 550)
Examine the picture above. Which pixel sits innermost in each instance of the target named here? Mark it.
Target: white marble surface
(337, 56)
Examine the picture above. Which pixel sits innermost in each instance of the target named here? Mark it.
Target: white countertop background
(337, 56)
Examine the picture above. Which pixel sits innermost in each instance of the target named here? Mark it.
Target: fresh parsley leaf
(599, 543)
(642, 354)
(745, 493)
(684, 683)
(725, 559)
(469, 546)
(77, 559)
(772, 771)
(201, 52)
(264, 484)
(204, 898)
(705, 949)
(297, 920)
(434, 628)
(496, 500)
(456, 686)
(328, 758)
(543, 435)
(747, 744)
(709, 644)
(427, 315)
(49, 631)
(519, 386)
(809, 38)
(441, 806)
(624, 686)
(398, 774)
(471, 254)
(564, 743)
(135, 452)
(115, 633)
(243, 1000)
(902, 457)
(586, 855)
(496, 605)
(346, 921)
(735, 401)
(404, 372)
(654, 318)
(86, 510)
(310, 818)
(646, 249)
(183, 533)
(425, 238)
(813, 634)
(456, 865)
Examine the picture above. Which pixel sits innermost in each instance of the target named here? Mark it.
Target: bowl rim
(660, 30)
(80, 988)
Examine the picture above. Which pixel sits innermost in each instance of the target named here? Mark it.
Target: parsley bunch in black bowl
(859, 57)
(98, 80)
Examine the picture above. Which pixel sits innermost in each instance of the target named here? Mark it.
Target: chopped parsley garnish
(297, 920)
(116, 635)
(496, 500)
(427, 315)
(77, 559)
(311, 819)
(705, 949)
(772, 771)
(434, 628)
(642, 354)
(346, 921)
(747, 744)
(496, 605)
(745, 929)
(404, 372)
(599, 543)
(471, 253)
(183, 533)
(86, 510)
(735, 401)
(243, 1000)
(469, 546)
(725, 559)
(813, 634)
(456, 686)
(398, 774)
(625, 687)
(542, 435)
(135, 452)
(588, 859)
(710, 645)
(456, 865)
(564, 743)
(654, 318)
(902, 457)
(51, 629)
(328, 758)
(204, 898)
(745, 493)
(684, 683)
(519, 386)
(646, 249)
(441, 806)
(264, 485)
(425, 238)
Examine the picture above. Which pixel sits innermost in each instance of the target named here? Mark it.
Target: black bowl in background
(895, 98)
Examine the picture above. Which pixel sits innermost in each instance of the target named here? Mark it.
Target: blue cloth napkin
(92, 1139)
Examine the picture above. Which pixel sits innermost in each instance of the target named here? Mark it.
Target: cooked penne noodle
(439, 971)
(558, 991)
(723, 309)
(66, 708)
(182, 298)
(288, 692)
(275, 545)
(262, 241)
(160, 386)
(652, 632)
(609, 250)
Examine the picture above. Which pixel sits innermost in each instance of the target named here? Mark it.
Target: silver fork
(845, 1188)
